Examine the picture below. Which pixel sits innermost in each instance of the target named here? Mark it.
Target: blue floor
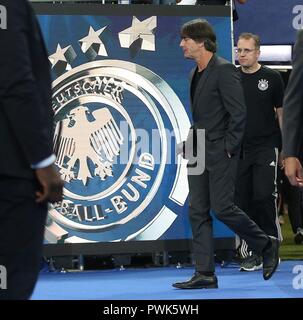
(155, 284)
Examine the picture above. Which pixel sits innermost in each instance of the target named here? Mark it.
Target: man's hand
(294, 171)
(281, 161)
(51, 183)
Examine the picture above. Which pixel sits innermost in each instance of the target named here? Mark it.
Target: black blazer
(26, 115)
(218, 105)
(293, 104)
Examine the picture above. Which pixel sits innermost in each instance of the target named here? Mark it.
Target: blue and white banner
(120, 95)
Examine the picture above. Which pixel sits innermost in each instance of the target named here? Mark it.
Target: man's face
(248, 55)
(191, 48)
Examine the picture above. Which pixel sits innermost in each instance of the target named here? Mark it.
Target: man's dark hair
(200, 31)
(255, 37)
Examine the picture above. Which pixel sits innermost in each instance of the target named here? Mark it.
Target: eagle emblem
(263, 84)
(82, 141)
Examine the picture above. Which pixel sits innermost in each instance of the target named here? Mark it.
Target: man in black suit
(292, 137)
(217, 104)
(28, 178)
(293, 115)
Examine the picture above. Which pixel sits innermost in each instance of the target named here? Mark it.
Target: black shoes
(198, 281)
(271, 261)
(252, 263)
(270, 258)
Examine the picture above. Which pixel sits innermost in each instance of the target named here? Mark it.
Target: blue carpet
(155, 284)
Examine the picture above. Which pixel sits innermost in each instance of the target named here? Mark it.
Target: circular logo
(116, 124)
(263, 85)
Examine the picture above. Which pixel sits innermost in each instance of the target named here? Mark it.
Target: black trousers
(256, 188)
(214, 189)
(21, 236)
(294, 199)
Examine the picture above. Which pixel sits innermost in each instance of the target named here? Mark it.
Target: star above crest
(141, 32)
(92, 45)
(62, 58)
